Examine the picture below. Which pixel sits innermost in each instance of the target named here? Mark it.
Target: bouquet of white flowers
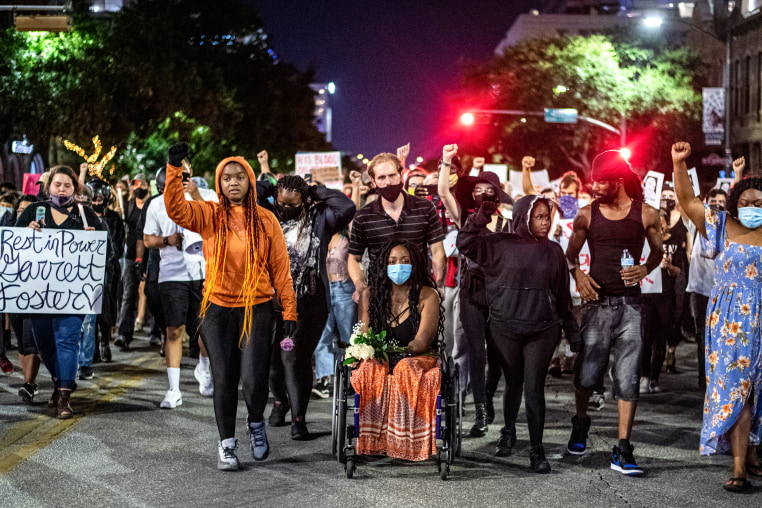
(364, 346)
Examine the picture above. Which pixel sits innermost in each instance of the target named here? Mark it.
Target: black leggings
(221, 330)
(291, 371)
(698, 308)
(525, 360)
(658, 330)
(473, 315)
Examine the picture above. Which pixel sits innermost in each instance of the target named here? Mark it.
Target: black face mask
(140, 192)
(390, 192)
(481, 198)
(99, 208)
(287, 213)
(668, 204)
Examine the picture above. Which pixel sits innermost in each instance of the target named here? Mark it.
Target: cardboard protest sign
(325, 167)
(55, 271)
(539, 179)
(652, 185)
(724, 183)
(651, 283)
(501, 170)
(693, 174)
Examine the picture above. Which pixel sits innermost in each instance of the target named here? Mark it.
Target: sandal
(737, 485)
(754, 469)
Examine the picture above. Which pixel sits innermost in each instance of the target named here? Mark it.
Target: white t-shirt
(177, 265)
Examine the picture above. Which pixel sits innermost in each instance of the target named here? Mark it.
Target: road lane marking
(28, 437)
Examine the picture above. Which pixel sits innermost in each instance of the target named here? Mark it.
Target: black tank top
(607, 239)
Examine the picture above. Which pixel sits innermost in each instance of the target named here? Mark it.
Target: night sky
(393, 65)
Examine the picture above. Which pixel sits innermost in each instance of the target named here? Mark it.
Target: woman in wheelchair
(397, 400)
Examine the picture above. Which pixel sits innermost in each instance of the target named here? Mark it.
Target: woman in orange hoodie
(246, 259)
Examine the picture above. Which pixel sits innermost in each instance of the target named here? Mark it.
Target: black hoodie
(526, 277)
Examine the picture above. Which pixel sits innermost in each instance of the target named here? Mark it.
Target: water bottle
(40, 216)
(627, 262)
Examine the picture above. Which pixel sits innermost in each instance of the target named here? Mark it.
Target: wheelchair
(448, 424)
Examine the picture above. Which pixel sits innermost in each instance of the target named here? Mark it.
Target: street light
(656, 22)
(467, 119)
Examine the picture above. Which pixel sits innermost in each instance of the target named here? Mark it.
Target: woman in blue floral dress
(732, 407)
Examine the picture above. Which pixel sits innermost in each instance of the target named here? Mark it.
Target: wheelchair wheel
(444, 464)
(459, 414)
(335, 419)
(453, 414)
(341, 416)
(350, 467)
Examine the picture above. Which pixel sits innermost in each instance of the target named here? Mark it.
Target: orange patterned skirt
(397, 411)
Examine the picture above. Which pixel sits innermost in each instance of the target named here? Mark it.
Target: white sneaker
(172, 399)
(227, 459)
(205, 382)
(645, 385)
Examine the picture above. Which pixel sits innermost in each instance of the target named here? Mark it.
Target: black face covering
(140, 192)
(481, 198)
(287, 213)
(668, 204)
(99, 208)
(390, 192)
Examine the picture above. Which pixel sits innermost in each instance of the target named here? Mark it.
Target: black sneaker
(299, 430)
(278, 414)
(505, 442)
(320, 391)
(578, 441)
(86, 373)
(28, 391)
(622, 459)
(154, 341)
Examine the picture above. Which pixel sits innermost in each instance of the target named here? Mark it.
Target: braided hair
(296, 184)
(255, 267)
(740, 188)
(380, 309)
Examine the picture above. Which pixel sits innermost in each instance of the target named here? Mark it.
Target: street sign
(566, 115)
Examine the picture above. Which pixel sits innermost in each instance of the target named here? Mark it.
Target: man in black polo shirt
(395, 215)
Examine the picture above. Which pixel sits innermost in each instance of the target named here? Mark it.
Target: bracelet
(138, 260)
(446, 163)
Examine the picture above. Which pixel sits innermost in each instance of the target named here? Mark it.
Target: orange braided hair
(255, 266)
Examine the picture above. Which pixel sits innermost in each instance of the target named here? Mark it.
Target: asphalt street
(122, 450)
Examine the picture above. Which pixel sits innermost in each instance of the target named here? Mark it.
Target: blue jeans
(605, 327)
(87, 341)
(341, 319)
(57, 337)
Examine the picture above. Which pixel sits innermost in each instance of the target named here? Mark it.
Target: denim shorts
(606, 327)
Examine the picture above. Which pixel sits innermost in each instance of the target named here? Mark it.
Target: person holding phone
(57, 335)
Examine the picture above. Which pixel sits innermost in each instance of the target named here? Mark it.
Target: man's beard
(607, 198)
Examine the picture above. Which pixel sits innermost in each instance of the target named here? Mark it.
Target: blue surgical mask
(569, 206)
(399, 274)
(750, 216)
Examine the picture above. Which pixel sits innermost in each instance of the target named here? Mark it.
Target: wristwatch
(166, 241)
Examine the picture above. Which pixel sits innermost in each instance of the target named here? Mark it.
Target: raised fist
(527, 162)
(681, 151)
(262, 157)
(448, 152)
(177, 153)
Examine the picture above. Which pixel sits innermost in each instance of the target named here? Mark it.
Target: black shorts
(181, 301)
(22, 328)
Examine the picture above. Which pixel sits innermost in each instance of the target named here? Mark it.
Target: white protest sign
(501, 170)
(325, 167)
(539, 179)
(55, 271)
(695, 182)
(650, 284)
(724, 184)
(567, 225)
(652, 185)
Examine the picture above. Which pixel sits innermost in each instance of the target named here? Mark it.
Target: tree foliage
(654, 89)
(157, 71)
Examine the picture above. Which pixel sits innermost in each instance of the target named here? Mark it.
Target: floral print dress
(733, 343)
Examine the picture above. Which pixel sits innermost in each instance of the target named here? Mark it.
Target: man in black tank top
(618, 219)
